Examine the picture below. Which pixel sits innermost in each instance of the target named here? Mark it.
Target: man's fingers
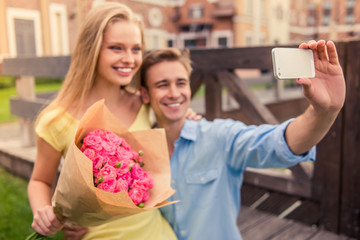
(331, 49)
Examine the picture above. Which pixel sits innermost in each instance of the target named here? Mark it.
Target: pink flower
(127, 177)
(108, 186)
(108, 173)
(137, 172)
(94, 142)
(98, 162)
(123, 154)
(112, 138)
(115, 166)
(136, 195)
(121, 185)
(108, 148)
(123, 169)
(90, 153)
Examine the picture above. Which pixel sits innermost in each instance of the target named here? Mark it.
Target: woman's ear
(144, 95)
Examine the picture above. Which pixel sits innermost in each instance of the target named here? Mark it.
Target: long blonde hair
(80, 77)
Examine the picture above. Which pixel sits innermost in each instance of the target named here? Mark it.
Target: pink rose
(98, 162)
(96, 132)
(108, 186)
(93, 142)
(121, 185)
(108, 148)
(123, 169)
(137, 172)
(146, 196)
(136, 195)
(89, 153)
(123, 154)
(127, 177)
(108, 173)
(113, 138)
(125, 145)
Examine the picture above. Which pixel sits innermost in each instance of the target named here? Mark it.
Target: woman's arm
(41, 186)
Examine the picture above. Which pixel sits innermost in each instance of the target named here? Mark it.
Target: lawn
(7, 90)
(15, 212)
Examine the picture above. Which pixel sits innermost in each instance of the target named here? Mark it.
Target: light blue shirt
(207, 169)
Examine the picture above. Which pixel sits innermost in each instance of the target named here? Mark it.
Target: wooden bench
(26, 105)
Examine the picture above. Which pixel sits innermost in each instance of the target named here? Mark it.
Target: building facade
(338, 20)
(50, 27)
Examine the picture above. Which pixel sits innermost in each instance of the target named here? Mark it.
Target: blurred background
(49, 27)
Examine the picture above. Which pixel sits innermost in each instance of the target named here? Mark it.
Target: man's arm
(326, 95)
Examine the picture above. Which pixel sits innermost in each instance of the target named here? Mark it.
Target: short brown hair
(161, 55)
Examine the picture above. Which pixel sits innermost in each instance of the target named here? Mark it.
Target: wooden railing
(332, 185)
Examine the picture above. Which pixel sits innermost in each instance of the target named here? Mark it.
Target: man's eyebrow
(161, 81)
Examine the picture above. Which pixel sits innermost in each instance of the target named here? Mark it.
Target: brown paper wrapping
(78, 200)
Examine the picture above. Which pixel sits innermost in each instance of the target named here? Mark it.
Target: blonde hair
(161, 55)
(80, 77)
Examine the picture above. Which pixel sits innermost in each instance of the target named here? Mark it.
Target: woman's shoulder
(56, 117)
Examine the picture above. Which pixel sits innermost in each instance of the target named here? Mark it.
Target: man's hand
(325, 92)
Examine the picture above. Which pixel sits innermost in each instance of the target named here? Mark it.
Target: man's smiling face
(168, 91)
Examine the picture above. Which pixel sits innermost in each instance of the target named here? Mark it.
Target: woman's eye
(137, 49)
(115, 48)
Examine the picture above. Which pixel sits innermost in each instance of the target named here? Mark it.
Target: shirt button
(183, 233)
(202, 179)
(173, 181)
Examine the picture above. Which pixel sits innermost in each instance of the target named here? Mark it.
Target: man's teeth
(124, 69)
(174, 105)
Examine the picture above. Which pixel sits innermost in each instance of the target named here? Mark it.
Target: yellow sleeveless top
(147, 225)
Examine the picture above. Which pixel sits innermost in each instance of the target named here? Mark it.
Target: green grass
(7, 92)
(15, 212)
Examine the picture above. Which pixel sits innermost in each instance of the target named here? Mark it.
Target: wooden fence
(330, 190)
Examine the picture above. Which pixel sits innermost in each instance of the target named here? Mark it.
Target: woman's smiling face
(120, 54)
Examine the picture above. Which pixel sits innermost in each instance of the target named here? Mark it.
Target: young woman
(107, 55)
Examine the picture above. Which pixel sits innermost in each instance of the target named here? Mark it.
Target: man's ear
(144, 95)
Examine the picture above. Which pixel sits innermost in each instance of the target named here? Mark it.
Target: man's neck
(172, 131)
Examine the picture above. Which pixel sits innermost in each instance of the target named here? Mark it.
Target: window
(191, 43)
(349, 17)
(222, 42)
(196, 12)
(326, 13)
(24, 32)
(25, 38)
(312, 14)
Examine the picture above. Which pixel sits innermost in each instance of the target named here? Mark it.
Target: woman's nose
(128, 57)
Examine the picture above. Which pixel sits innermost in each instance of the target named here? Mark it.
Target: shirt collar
(188, 131)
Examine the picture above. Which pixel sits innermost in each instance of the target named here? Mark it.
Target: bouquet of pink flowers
(116, 167)
(100, 158)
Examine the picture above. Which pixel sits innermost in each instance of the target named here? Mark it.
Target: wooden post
(212, 96)
(25, 88)
(350, 168)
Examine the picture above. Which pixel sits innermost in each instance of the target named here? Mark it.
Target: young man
(208, 158)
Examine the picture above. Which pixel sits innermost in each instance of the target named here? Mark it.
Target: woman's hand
(45, 221)
(192, 115)
(72, 232)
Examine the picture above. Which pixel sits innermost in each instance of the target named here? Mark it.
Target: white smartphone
(293, 63)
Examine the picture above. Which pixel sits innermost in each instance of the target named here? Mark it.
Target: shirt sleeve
(55, 131)
(262, 146)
